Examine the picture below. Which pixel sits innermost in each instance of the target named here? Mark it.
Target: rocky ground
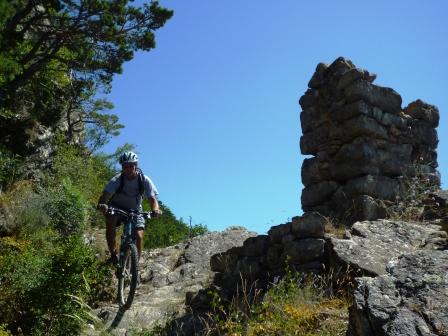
(406, 290)
(167, 276)
(403, 290)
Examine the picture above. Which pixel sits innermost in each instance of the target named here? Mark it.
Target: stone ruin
(363, 144)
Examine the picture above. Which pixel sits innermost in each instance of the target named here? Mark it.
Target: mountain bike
(127, 266)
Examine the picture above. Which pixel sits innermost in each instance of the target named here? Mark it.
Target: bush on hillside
(45, 264)
(87, 172)
(9, 164)
(67, 208)
(39, 275)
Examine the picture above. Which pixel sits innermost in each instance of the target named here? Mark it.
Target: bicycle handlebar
(115, 211)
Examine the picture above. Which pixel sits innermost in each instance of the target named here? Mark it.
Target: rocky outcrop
(411, 299)
(168, 276)
(371, 245)
(35, 143)
(40, 149)
(404, 287)
(362, 143)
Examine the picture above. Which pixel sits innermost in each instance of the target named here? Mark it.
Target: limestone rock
(255, 246)
(385, 98)
(374, 244)
(318, 76)
(310, 225)
(318, 193)
(380, 187)
(225, 261)
(276, 233)
(303, 251)
(367, 208)
(410, 299)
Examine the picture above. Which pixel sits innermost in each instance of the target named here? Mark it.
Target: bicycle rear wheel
(127, 276)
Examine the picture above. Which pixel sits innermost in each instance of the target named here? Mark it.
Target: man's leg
(140, 234)
(111, 225)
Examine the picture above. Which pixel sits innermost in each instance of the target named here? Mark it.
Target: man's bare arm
(155, 207)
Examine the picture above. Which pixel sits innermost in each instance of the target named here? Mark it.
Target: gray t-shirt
(130, 197)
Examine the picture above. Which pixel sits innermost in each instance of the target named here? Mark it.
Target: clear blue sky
(213, 110)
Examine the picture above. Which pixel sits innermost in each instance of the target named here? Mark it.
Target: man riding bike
(125, 191)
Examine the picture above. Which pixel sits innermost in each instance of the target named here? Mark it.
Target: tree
(167, 230)
(56, 54)
(92, 37)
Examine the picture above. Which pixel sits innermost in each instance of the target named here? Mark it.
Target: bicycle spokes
(127, 281)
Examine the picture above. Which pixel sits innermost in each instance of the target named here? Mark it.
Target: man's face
(130, 170)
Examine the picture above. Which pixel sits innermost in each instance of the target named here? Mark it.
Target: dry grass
(415, 191)
(334, 229)
(297, 305)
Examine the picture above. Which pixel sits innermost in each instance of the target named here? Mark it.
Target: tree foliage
(167, 230)
(89, 37)
(56, 54)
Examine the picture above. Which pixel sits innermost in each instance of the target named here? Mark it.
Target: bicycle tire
(128, 276)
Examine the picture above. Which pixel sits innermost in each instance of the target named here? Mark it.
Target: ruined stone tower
(362, 143)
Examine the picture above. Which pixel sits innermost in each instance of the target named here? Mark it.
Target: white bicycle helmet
(128, 157)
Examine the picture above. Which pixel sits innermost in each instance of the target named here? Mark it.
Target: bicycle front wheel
(127, 276)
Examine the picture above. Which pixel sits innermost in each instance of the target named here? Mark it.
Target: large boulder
(373, 244)
(410, 299)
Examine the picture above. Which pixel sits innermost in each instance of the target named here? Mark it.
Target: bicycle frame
(128, 217)
(129, 226)
(127, 268)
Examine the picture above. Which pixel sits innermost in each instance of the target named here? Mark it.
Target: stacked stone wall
(298, 244)
(362, 143)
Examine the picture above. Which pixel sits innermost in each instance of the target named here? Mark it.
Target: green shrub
(9, 164)
(67, 208)
(40, 276)
(167, 230)
(89, 173)
(4, 331)
(14, 205)
(31, 215)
